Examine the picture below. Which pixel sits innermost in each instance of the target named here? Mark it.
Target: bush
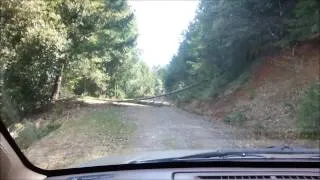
(27, 136)
(235, 118)
(31, 133)
(8, 111)
(309, 113)
(48, 128)
(57, 110)
(252, 93)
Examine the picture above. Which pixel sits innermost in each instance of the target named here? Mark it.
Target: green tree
(227, 36)
(85, 46)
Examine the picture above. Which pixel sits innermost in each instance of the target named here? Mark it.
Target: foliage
(87, 47)
(8, 111)
(134, 79)
(27, 136)
(227, 36)
(29, 49)
(235, 118)
(309, 114)
(30, 133)
(160, 73)
(306, 20)
(252, 93)
(49, 127)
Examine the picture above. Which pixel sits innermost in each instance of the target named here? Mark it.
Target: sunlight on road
(93, 101)
(127, 104)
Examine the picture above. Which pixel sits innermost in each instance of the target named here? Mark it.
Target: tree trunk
(294, 49)
(57, 85)
(280, 8)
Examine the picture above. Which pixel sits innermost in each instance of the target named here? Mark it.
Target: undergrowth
(30, 132)
(235, 118)
(308, 117)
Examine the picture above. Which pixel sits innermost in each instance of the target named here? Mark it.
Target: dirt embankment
(270, 96)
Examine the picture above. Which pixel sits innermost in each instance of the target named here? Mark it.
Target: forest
(227, 36)
(53, 49)
(219, 49)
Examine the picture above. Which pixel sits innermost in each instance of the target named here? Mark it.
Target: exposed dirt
(161, 128)
(154, 128)
(166, 128)
(271, 96)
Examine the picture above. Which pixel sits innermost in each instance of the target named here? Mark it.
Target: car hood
(140, 156)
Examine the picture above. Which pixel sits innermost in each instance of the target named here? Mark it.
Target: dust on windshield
(82, 80)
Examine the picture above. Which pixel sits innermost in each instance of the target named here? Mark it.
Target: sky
(160, 27)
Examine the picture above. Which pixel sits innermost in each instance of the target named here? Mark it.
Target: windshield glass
(89, 79)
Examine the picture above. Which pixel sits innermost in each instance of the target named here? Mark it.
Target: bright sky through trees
(160, 26)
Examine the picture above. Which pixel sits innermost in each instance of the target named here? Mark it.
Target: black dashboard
(199, 173)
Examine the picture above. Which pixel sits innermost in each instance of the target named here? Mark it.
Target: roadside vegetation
(34, 127)
(74, 117)
(309, 113)
(255, 60)
(88, 132)
(57, 49)
(226, 37)
(28, 133)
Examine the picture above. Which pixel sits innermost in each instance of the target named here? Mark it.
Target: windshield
(118, 80)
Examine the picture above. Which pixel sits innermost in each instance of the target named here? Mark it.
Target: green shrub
(48, 128)
(27, 136)
(57, 110)
(235, 118)
(8, 110)
(31, 133)
(252, 93)
(308, 118)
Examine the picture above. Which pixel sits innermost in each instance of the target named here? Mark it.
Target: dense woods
(50, 49)
(227, 36)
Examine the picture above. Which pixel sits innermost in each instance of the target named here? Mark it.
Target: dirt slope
(271, 94)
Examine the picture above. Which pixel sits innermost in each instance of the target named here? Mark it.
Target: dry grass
(97, 133)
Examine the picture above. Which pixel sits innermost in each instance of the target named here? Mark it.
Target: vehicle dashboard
(199, 173)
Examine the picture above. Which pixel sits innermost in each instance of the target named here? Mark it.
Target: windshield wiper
(204, 156)
(238, 154)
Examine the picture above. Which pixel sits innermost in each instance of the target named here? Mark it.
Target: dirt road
(167, 128)
(102, 130)
(161, 128)
(94, 133)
